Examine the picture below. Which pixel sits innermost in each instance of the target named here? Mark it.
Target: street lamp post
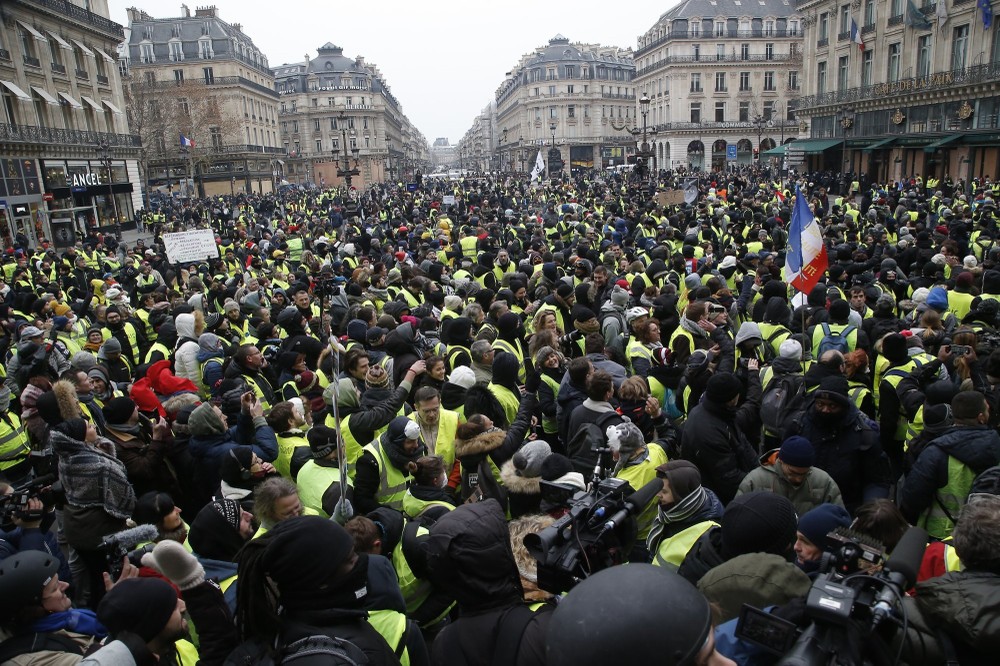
(645, 152)
(105, 151)
(552, 152)
(347, 172)
(760, 121)
(846, 115)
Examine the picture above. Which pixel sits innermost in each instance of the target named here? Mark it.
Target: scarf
(693, 328)
(77, 620)
(677, 513)
(127, 429)
(399, 458)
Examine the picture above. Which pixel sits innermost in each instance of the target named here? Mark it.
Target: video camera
(15, 504)
(597, 533)
(121, 544)
(848, 601)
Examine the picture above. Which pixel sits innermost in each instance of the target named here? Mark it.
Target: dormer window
(176, 50)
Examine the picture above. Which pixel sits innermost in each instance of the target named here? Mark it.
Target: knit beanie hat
(619, 296)
(305, 381)
(554, 466)
(230, 305)
(508, 323)
(235, 466)
(58, 322)
(758, 522)
(152, 507)
(894, 348)
(790, 349)
(204, 422)
(529, 458)
(83, 361)
(347, 394)
(141, 606)
(322, 440)
(463, 376)
(377, 377)
(723, 387)
(111, 345)
(840, 309)
(73, 428)
(61, 309)
(822, 520)
(835, 389)
(99, 373)
(117, 411)
(626, 438)
(797, 451)
(564, 290)
(683, 476)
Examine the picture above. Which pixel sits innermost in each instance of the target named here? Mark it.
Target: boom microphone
(635, 503)
(130, 538)
(901, 569)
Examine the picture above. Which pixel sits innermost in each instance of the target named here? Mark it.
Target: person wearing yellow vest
(636, 462)
(955, 457)
(322, 597)
(437, 425)
(428, 495)
(248, 363)
(386, 465)
(287, 419)
(685, 511)
(320, 481)
(481, 446)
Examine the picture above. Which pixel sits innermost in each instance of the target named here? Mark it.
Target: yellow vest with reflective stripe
(504, 346)
(639, 475)
(413, 507)
(187, 653)
(286, 448)
(549, 423)
(392, 482)
(673, 550)
(14, 447)
(507, 400)
(445, 444)
(314, 480)
(951, 498)
(637, 349)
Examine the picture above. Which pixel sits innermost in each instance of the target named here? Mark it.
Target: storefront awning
(31, 29)
(777, 151)
(932, 147)
(70, 100)
(111, 106)
(813, 146)
(59, 40)
(21, 95)
(94, 105)
(44, 94)
(884, 143)
(87, 52)
(103, 54)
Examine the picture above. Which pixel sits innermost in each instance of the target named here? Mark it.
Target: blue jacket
(208, 452)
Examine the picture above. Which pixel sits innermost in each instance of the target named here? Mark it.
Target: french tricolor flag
(856, 35)
(186, 142)
(806, 260)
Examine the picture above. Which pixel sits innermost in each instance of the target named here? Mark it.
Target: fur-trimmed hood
(69, 404)
(484, 442)
(521, 485)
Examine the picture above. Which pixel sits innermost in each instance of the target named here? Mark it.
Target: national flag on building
(806, 261)
(856, 35)
(186, 142)
(986, 7)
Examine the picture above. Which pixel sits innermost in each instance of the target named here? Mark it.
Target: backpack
(584, 443)
(769, 353)
(835, 339)
(784, 397)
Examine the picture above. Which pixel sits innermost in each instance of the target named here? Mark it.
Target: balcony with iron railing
(895, 20)
(101, 79)
(83, 74)
(32, 62)
(64, 9)
(776, 125)
(55, 136)
(936, 81)
(708, 34)
(247, 148)
(616, 96)
(727, 58)
(58, 69)
(219, 81)
(4, 54)
(843, 36)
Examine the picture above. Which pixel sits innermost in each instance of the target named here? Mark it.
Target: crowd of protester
(327, 441)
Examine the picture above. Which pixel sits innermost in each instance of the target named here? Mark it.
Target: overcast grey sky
(443, 59)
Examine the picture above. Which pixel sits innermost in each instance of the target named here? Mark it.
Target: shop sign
(85, 179)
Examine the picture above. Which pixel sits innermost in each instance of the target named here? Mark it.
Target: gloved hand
(532, 382)
(343, 511)
(173, 561)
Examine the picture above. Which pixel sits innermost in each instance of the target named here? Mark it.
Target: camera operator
(960, 607)
(28, 529)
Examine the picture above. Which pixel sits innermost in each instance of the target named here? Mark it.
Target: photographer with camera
(27, 514)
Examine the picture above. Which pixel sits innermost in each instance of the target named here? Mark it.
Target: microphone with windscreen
(901, 571)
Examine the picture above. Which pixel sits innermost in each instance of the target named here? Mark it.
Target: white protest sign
(448, 200)
(190, 246)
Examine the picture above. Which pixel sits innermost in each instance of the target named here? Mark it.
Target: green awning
(777, 151)
(930, 148)
(813, 146)
(884, 143)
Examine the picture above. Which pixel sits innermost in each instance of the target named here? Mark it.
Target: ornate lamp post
(347, 172)
(105, 151)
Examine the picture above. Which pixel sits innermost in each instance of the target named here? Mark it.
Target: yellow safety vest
(392, 481)
(639, 475)
(286, 448)
(507, 400)
(673, 550)
(14, 447)
(504, 346)
(549, 423)
(314, 480)
(445, 444)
